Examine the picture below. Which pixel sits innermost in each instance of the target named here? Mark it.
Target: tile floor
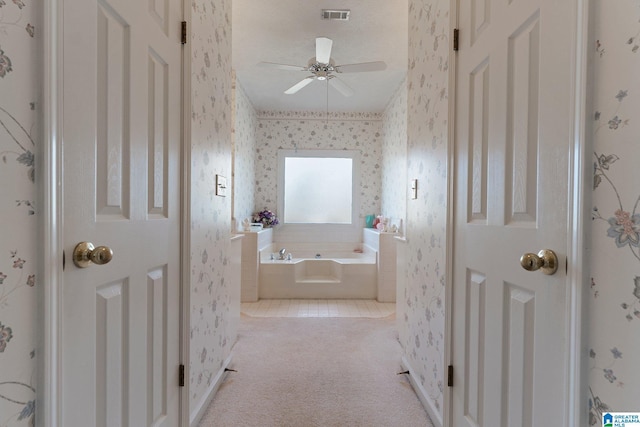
(317, 308)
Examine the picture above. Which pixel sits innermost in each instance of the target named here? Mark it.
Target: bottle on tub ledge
(247, 225)
(385, 225)
(381, 223)
(368, 221)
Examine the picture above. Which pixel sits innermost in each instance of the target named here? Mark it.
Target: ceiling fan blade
(296, 87)
(281, 66)
(341, 86)
(364, 66)
(323, 50)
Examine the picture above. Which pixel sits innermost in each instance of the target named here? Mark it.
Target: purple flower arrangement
(266, 218)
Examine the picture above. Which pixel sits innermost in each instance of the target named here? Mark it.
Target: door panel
(159, 11)
(519, 309)
(158, 142)
(480, 15)
(112, 144)
(121, 130)
(110, 336)
(512, 143)
(522, 123)
(474, 342)
(479, 80)
(157, 350)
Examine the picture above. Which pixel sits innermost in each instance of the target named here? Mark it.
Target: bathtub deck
(317, 308)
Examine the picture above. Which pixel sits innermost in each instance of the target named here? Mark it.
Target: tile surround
(252, 244)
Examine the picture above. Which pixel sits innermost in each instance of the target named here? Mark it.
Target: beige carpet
(305, 372)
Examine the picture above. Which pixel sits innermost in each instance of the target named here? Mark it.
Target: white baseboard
(205, 401)
(428, 404)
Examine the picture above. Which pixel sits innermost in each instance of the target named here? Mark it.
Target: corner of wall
(210, 215)
(200, 407)
(430, 405)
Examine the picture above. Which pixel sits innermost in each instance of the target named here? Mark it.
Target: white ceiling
(284, 31)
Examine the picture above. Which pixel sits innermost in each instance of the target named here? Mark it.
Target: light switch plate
(221, 186)
(414, 189)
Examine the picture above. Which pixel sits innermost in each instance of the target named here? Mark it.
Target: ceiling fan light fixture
(336, 14)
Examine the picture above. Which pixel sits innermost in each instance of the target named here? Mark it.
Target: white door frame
(578, 209)
(185, 219)
(48, 407)
(447, 402)
(49, 385)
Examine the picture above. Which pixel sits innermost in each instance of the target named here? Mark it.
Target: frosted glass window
(318, 190)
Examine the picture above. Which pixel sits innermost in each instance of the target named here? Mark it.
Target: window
(317, 186)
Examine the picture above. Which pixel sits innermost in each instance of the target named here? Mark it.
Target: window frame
(330, 228)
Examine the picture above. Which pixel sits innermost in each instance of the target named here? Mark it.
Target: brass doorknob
(86, 254)
(546, 261)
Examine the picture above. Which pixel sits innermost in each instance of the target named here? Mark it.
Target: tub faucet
(282, 252)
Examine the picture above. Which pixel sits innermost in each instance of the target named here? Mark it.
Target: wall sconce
(221, 186)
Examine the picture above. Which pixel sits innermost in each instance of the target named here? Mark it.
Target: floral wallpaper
(427, 114)
(244, 156)
(614, 311)
(211, 124)
(20, 116)
(394, 157)
(308, 130)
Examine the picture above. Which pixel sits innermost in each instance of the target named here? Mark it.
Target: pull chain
(327, 115)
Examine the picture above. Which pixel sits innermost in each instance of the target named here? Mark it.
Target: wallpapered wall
(394, 157)
(614, 311)
(244, 149)
(211, 90)
(20, 118)
(427, 82)
(290, 130)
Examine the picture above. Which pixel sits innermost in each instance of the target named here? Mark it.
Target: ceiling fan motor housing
(321, 71)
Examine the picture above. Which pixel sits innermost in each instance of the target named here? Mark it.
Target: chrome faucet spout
(282, 253)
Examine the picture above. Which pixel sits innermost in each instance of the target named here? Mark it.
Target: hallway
(313, 370)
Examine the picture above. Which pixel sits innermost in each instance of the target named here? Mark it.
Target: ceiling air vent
(336, 14)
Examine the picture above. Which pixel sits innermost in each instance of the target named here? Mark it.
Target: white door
(514, 130)
(121, 147)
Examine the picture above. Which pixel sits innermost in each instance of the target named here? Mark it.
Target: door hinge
(456, 39)
(184, 32)
(181, 376)
(450, 376)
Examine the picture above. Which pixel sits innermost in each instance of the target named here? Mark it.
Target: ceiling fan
(322, 67)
